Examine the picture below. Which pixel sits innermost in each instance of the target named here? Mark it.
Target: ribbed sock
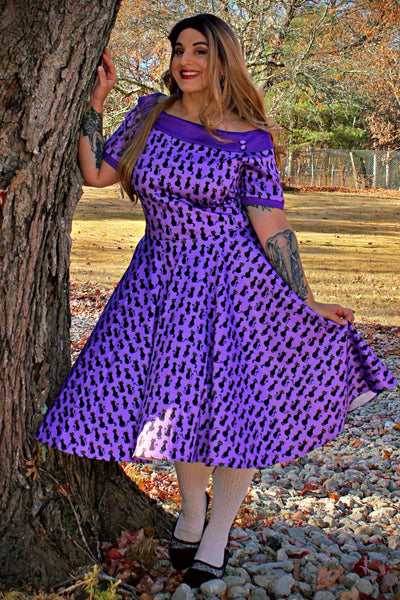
(230, 487)
(193, 479)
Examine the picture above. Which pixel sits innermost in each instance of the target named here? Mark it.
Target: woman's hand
(334, 312)
(105, 81)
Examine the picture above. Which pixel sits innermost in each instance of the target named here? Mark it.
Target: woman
(212, 351)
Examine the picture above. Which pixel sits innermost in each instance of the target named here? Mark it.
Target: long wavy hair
(239, 93)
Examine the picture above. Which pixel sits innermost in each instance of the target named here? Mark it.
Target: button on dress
(203, 353)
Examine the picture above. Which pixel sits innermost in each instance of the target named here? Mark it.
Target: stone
(282, 586)
(388, 582)
(394, 542)
(331, 549)
(237, 533)
(262, 581)
(324, 595)
(234, 580)
(381, 513)
(258, 594)
(240, 591)
(349, 579)
(183, 592)
(365, 586)
(348, 560)
(214, 587)
(379, 556)
(281, 555)
(242, 573)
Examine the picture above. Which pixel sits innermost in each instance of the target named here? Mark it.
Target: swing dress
(203, 352)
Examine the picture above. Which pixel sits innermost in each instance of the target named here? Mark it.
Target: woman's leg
(230, 487)
(193, 479)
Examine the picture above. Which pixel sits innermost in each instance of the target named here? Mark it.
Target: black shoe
(182, 553)
(201, 572)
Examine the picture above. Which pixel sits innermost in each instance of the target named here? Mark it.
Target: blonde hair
(238, 93)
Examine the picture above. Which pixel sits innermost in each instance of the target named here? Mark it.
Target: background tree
(313, 58)
(48, 55)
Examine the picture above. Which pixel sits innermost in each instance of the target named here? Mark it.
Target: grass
(349, 246)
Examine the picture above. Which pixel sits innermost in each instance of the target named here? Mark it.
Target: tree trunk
(48, 55)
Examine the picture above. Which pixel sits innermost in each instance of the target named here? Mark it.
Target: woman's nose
(185, 58)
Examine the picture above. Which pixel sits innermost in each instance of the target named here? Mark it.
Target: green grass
(349, 246)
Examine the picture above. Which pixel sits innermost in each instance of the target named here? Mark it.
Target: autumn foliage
(330, 68)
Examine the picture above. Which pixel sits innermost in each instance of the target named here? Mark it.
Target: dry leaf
(327, 577)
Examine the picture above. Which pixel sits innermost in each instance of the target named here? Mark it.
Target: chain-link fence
(356, 169)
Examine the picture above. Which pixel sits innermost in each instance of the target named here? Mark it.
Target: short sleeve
(116, 144)
(260, 182)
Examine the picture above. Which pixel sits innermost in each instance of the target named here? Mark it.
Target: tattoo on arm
(259, 207)
(282, 252)
(92, 128)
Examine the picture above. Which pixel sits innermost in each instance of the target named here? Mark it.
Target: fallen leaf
(361, 567)
(308, 488)
(326, 577)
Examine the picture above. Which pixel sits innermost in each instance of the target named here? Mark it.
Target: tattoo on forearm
(92, 128)
(282, 252)
(260, 207)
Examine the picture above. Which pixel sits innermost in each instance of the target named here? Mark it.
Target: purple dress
(203, 352)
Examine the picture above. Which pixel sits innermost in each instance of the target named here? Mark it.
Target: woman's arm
(281, 248)
(95, 170)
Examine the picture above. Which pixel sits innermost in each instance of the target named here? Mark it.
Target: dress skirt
(203, 353)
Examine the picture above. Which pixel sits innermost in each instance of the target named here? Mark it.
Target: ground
(326, 526)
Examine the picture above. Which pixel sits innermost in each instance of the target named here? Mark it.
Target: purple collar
(245, 141)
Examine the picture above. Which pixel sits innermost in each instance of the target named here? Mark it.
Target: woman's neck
(188, 107)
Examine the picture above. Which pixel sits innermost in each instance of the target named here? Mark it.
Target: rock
(388, 582)
(234, 580)
(258, 594)
(382, 513)
(269, 571)
(349, 579)
(364, 586)
(183, 592)
(240, 591)
(379, 556)
(324, 595)
(237, 533)
(331, 549)
(273, 542)
(282, 586)
(214, 587)
(281, 555)
(242, 573)
(394, 542)
(252, 548)
(348, 560)
(262, 581)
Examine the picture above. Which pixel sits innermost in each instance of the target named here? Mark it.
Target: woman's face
(190, 61)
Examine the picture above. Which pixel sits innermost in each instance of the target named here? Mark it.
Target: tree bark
(49, 501)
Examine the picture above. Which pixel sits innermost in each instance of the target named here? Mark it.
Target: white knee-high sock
(230, 487)
(193, 479)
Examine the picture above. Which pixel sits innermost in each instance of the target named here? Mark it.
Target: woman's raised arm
(282, 250)
(95, 170)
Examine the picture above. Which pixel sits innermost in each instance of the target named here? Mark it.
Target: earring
(222, 82)
(179, 92)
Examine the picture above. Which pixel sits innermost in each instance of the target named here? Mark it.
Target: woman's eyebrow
(194, 44)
